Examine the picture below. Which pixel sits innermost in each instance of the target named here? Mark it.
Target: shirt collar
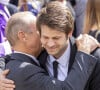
(33, 57)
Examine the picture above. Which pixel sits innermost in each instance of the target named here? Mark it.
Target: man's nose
(50, 43)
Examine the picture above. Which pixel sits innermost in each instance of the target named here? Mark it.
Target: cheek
(36, 37)
(37, 42)
(62, 43)
(43, 41)
(34, 41)
(34, 44)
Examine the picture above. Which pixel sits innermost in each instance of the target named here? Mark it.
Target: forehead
(47, 31)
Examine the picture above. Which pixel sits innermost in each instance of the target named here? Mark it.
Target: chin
(52, 53)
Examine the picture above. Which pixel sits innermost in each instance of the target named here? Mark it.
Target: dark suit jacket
(94, 80)
(28, 75)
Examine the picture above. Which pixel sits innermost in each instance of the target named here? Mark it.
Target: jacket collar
(72, 53)
(43, 59)
(23, 58)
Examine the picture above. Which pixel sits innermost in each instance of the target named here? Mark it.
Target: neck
(25, 50)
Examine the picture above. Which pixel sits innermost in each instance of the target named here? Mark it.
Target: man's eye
(45, 37)
(56, 38)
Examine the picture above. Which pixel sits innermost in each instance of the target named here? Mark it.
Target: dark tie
(55, 67)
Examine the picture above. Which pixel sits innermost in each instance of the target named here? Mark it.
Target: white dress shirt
(62, 66)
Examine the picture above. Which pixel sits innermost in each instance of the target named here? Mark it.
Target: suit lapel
(72, 53)
(43, 59)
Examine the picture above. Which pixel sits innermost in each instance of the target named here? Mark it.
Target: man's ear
(21, 35)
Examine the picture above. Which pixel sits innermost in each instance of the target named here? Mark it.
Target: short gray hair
(17, 22)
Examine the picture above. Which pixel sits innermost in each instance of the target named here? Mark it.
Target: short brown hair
(57, 16)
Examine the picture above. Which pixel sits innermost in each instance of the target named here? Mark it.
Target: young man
(56, 24)
(56, 43)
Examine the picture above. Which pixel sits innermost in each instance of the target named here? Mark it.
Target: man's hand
(86, 43)
(6, 84)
